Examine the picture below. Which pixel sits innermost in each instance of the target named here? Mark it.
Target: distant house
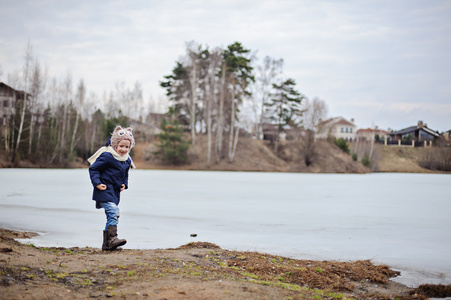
(337, 127)
(8, 101)
(370, 134)
(270, 132)
(418, 135)
(154, 119)
(445, 139)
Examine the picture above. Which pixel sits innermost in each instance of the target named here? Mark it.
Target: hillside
(255, 155)
(401, 159)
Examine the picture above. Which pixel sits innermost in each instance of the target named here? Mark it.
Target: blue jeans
(111, 212)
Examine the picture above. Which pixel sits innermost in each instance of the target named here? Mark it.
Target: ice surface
(403, 220)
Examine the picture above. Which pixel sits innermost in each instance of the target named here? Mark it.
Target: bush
(342, 144)
(437, 158)
(354, 156)
(366, 161)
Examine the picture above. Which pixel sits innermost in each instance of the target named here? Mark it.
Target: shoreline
(197, 270)
(409, 276)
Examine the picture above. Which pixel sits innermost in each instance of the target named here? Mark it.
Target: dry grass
(400, 159)
(194, 271)
(255, 155)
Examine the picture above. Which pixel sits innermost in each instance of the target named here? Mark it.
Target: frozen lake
(403, 220)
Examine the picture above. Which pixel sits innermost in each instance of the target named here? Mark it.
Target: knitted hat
(120, 134)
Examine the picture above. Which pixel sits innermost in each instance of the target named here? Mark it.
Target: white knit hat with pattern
(120, 134)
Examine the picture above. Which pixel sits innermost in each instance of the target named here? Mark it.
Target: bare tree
(37, 88)
(194, 61)
(24, 102)
(41, 106)
(137, 102)
(214, 62)
(267, 74)
(79, 102)
(314, 111)
(221, 119)
(63, 99)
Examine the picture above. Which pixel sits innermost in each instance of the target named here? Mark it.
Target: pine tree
(172, 148)
(284, 106)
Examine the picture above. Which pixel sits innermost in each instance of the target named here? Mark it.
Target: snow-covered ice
(403, 220)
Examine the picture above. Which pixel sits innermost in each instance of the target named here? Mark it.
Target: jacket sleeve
(126, 178)
(97, 168)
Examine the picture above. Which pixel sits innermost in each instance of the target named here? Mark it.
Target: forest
(222, 94)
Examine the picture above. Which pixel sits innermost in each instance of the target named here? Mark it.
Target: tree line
(53, 121)
(222, 93)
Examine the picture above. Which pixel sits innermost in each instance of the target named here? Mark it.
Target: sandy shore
(193, 271)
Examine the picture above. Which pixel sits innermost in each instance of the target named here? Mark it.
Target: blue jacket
(111, 172)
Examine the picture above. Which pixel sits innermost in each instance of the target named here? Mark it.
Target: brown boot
(105, 243)
(112, 241)
(105, 239)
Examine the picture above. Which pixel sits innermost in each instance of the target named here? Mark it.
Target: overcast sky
(382, 62)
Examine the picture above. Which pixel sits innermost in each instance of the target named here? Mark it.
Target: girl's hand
(122, 187)
(101, 187)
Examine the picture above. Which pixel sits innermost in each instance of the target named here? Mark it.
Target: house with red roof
(370, 134)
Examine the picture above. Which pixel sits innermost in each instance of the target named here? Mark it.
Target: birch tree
(240, 72)
(41, 115)
(137, 102)
(67, 95)
(221, 119)
(24, 101)
(313, 111)
(79, 103)
(194, 61)
(38, 83)
(267, 74)
(213, 62)
(62, 97)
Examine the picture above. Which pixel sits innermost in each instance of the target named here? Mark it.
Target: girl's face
(123, 147)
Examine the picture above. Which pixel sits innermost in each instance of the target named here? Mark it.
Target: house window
(346, 129)
(350, 130)
(342, 129)
(425, 136)
(5, 103)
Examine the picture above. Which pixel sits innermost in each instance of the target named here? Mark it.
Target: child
(109, 176)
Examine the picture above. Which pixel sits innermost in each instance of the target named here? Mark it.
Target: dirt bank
(259, 156)
(194, 271)
(255, 155)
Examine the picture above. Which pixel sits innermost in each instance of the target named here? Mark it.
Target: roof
(7, 87)
(335, 121)
(369, 130)
(413, 129)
